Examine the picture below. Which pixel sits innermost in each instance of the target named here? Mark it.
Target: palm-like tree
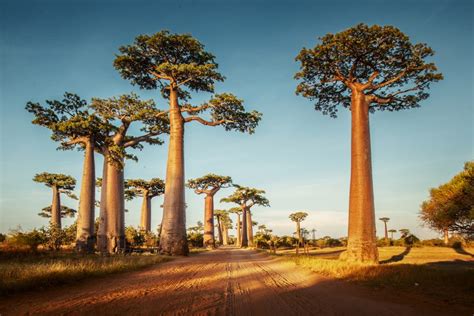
(385, 220)
(391, 231)
(238, 212)
(298, 217)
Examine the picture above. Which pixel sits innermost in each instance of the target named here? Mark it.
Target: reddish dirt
(227, 281)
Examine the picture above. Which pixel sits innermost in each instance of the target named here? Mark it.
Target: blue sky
(299, 156)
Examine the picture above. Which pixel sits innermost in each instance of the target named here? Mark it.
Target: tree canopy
(140, 187)
(64, 183)
(298, 216)
(65, 211)
(209, 184)
(451, 205)
(379, 61)
(248, 197)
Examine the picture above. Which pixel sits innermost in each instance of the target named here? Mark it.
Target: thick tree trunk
(245, 242)
(249, 229)
(56, 208)
(85, 219)
(361, 245)
(386, 231)
(102, 231)
(225, 235)
(298, 232)
(446, 237)
(173, 235)
(219, 230)
(145, 219)
(115, 208)
(209, 241)
(239, 232)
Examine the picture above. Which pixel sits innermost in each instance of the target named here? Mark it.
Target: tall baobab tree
(59, 183)
(226, 224)
(209, 185)
(147, 190)
(178, 64)
(385, 220)
(365, 68)
(246, 198)
(314, 234)
(74, 126)
(298, 217)
(238, 212)
(391, 231)
(219, 215)
(121, 112)
(65, 211)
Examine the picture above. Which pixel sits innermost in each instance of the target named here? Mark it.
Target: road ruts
(227, 281)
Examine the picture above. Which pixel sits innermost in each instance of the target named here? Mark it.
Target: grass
(27, 272)
(440, 273)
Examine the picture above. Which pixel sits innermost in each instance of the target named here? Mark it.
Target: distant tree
(404, 232)
(122, 113)
(451, 205)
(385, 220)
(65, 212)
(74, 125)
(178, 64)
(246, 198)
(209, 185)
(238, 212)
(220, 215)
(365, 68)
(391, 231)
(298, 217)
(59, 183)
(147, 190)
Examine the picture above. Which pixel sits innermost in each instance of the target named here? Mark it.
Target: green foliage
(328, 241)
(247, 196)
(139, 187)
(380, 60)
(210, 183)
(196, 235)
(298, 216)
(153, 60)
(286, 242)
(139, 238)
(55, 237)
(451, 205)
(32, 239)
(63, 182)
(65, 212)
(262, 240)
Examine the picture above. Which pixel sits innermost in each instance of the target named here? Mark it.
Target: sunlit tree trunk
(56, 208)
(245, 242)
(145, 219)
(239, 233)
(115, 208)
(209, 241)
(249, 228)
(225, 235)
(173, 235)
(361, 245)
(219, 230)
(85, 218)
(386, 231)
(446, 237)
(102, 231)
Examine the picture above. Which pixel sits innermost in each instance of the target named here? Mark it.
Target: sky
(300, 157)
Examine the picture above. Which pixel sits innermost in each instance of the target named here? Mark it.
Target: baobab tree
(178, 64)
(209, 185)
(65, 211)
(298, 217)
(121, 112)
(365, 68)
(226, 224)
(385, 220)
(246, 198)
(75, 127)
(147, 190)
(60, 184)
(392, 231)
(219, 215)
(238, 212)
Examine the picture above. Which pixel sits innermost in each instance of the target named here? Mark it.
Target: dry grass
(438, 272)
(27, 272)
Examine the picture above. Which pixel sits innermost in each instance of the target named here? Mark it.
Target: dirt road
(223, 282)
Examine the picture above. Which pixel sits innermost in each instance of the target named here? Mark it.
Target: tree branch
(194, 109)
(390, 81)
(135, 140)
(203, 121)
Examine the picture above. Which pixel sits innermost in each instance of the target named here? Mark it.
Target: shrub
(32, 239)
(196, 239)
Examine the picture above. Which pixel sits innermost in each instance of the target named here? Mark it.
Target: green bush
(196, 239)
(31, 240)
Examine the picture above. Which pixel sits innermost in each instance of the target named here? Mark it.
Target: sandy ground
(227, 281)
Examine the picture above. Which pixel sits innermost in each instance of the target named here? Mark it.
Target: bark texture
(361, 245)
(239, 231)
(145, 219)
(245, 242)
(56, 208)
(102, 231)
(115, 208)
(249, 228)
(173, 235)
(209, 241)
(85, 219)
